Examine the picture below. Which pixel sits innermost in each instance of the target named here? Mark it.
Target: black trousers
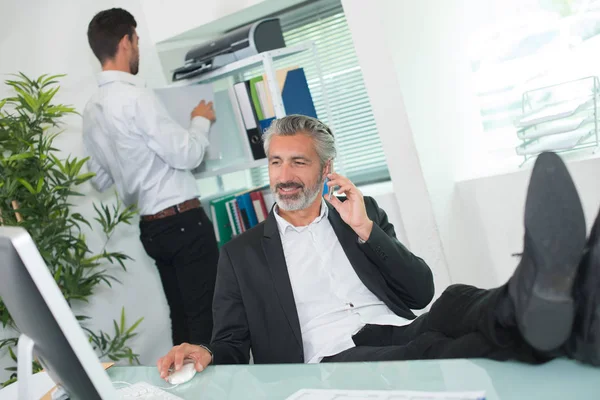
(185, 250)
(465, 322)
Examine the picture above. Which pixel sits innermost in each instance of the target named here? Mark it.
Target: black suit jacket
(254, 304)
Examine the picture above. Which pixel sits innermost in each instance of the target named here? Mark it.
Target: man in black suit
(326, 280)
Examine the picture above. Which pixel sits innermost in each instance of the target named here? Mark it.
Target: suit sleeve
(231, 336)
(405, 273)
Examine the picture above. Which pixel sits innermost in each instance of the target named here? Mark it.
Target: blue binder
(296, 97)
(247, 209)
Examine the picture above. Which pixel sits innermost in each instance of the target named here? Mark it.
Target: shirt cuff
(200, 125)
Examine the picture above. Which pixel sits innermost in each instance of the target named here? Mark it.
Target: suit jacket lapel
(271, 243)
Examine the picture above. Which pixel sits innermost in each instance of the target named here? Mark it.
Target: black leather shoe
(584, 344)
(541, 288)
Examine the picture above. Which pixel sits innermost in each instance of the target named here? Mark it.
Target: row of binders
(255, 110)
(235, 213)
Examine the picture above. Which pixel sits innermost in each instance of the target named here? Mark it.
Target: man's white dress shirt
(133, 143)
(332, 302)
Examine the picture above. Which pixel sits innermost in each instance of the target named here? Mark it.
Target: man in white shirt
(326, 280)
(134, 144)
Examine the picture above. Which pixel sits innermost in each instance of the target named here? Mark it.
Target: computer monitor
(42, 314)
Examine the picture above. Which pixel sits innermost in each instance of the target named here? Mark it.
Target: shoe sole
(555, 224)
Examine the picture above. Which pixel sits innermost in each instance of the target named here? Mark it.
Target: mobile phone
(326, 190)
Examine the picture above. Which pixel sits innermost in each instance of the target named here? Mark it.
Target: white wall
(39, 37)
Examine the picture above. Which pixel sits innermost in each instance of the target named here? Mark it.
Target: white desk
(556, 380)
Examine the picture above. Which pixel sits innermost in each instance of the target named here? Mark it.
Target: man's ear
(327, 170)
(125, 42)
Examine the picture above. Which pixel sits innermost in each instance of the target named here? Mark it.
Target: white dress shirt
(332, 302)
(133, 143)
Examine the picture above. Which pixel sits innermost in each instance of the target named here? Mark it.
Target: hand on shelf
(204, 109)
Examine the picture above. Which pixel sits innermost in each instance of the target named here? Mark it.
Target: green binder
(220, 219)
(255, 98)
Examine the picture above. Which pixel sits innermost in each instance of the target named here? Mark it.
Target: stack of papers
(563, 141)
(554, 112)
(556, 127)
(333, 394)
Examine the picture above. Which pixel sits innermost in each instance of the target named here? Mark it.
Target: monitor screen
(40, 311)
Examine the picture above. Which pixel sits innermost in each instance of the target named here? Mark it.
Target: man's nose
(286, 173)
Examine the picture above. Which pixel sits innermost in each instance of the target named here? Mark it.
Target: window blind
(360, 154)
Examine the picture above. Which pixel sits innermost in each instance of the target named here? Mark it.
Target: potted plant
(35, 192)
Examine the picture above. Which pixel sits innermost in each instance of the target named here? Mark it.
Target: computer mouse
(186, 373)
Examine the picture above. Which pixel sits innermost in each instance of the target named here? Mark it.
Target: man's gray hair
(294, 124)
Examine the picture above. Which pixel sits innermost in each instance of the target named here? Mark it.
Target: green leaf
(12, 354)
(40, 184)
(40, 79)
(16, 157)
(84, 177)
(80, 218)
(58, 273)
(134, 326)
(9, 382)
(51, 79)
(122, 319)
(27, 101)
(27, 185)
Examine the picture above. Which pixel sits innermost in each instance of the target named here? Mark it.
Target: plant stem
(15, 206)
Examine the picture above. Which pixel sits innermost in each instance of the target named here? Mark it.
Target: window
(360, 154)
(526, 46)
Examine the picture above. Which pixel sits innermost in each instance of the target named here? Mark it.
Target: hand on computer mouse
(186, 373)
(200, 357)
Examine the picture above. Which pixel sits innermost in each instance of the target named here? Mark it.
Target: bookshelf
(236, 154)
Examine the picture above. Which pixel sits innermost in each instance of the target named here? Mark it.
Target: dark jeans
(185, 250)
(465, 322)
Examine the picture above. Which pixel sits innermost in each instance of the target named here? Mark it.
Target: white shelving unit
(236, 69)
(227, 169)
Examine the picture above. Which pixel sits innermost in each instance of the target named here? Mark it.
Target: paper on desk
(179, 102)
(333, 394)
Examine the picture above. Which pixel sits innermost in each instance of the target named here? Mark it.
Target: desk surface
(559, 379)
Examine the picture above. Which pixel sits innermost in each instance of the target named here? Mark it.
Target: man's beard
(299, 200)
(134, 65)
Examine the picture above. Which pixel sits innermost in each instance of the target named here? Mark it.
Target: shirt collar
(106, 77)
(284, 226)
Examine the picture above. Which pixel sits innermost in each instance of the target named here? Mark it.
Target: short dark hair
(106, 30)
